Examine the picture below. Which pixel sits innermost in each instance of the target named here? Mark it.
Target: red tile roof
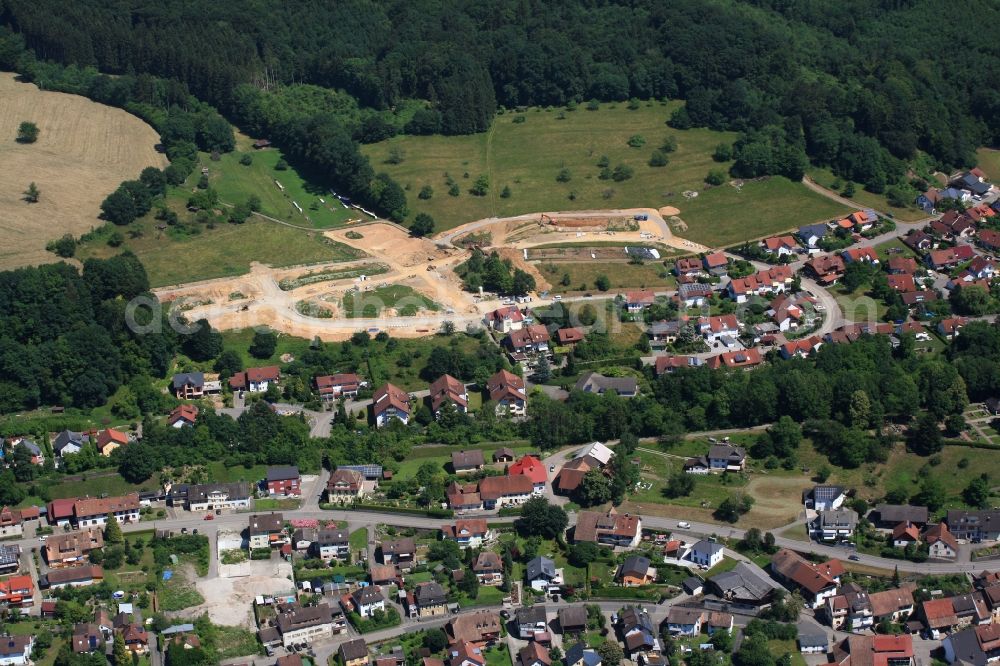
(531, 467)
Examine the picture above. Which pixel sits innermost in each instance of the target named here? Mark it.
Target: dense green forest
(855, 85)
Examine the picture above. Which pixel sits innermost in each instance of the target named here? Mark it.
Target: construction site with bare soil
(409, 285)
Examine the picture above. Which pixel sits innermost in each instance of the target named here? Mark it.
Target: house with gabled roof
(183, 415)
(255, 380)
(741, 358)
(611, 528)
(506, 390)
(716, 263)
(827, 269)
(332, 387)
(506, 319)
(781, 246)
(447, 389)
(188, 385)
(534, 469)
(569, 336)
(465, 462)
(638, 300)
(469, 533)
(942, 544)
(818, 582)
(390, 402)
(533, 339)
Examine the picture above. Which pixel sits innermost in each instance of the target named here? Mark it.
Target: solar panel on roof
(368, 471)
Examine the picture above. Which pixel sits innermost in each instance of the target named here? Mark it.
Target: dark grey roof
(531, 614)
(577, 653)
(708, 547)
(693, 583)
(818, 230)
(592, 382)
(965, 645)
(746, 582)
(199, 492)
(826, 493)
(845, 518)
(282, 473)
(9, 554)
(67, 438)
(405, 546)
(192, 378)
(31, 446)
(636, 564)
(900, 513)
(367, 471)
(430, 594)
(364, 596)
(541, 566)
(332, 536)
(727, 452)
(811, 635)
(988, 521)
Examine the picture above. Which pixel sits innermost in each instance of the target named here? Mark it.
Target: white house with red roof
(639, 300)
(255, 380)
(506, 391)
(781, 246)
(714, 328)
(506, 319)
(390, 402)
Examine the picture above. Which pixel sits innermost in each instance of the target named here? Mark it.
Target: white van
(683, 525)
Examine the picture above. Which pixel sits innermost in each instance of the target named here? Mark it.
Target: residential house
(611, 528)
(390, 402)
(781, 246)
(533, 339)
(11, 522)
(506, 319)
(71, 548)
(725, 457)
(367, 600)
(697, 465)
(430, 599)
(744, 358)
(16, 650)
(972, 183)
(579, 655)
(90, 512)
(353, 652)
(592, 382)
(467, 533)
(801, 348)
(213, 496)
(571, 474)
(500, 491)
(182, 415)
(693, 294)
(447, 389)
(687, 266)
(568, 337)
(87, 638)
(827, 269)
(950, 327)
(531, 621)
(504, 454)
(344, 486)
(893, 605)
(255, 380)
(705, 553)
(715, 263)
(850, 610)
(666, 332)
(304, 624)
(942, 544)
(266, 530)
(110, 439)
(774, 280)
(715, 328)
(899, 265)
(506, 391)
(464, 462)
(824, 498)
(636, 571)
(948, 257)
(877, 650)
(466, 654)
(812, 639)
(34, 451)
(10, 558)
(532, 468)
(976, 646)
(67, 442)
(598, 451)
(482, 627)
(683, 621)
(716, 621)
(990, 239)
(572, 620)
(939, 616)
(637, 631)
(543, 575)
(401, 552)
(331, 544)
(854, 255)
(818, 582)
(744, 585)
(668, 364)
(71, 577)
(639, 300)
(533, 654)
(134, 635)
(189, 385)
(341, 385)
(918, 241)
(905, 534)
(488, 568)
(464, 497)
(928, 200)
(384, 574)
(812, 234)
(17, 591)
(835, 525)
(283, 481)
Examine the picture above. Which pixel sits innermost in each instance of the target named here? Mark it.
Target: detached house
(610, 529)
(506, 319)
(183, 415)
(467, 533)
(781, 246)
(92, 512)
(344, 485)
(835, 525)
(430, 599)
(401, 552)
(488, 568)
(533, 339)
(637, 301)
(284, 481)
(725, 457)
(818, 582)
(189, 385)
(543, 575)
(390, 402)
(506, 391)
(266, 530)
(827, 269)
(636, 571)
(447, 389)
(706, 553)
(532, 468)
(500, 491)
(464, 462)
(67, 442)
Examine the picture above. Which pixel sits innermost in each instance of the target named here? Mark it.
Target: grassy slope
(725, 216)
(528, 156)
(989, 161)
(621, 274)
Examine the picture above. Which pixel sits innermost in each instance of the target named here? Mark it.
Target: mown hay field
(84, 151)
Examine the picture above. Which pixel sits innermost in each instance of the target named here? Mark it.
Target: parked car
(854, 558)
(684, 525)
(209, 516)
